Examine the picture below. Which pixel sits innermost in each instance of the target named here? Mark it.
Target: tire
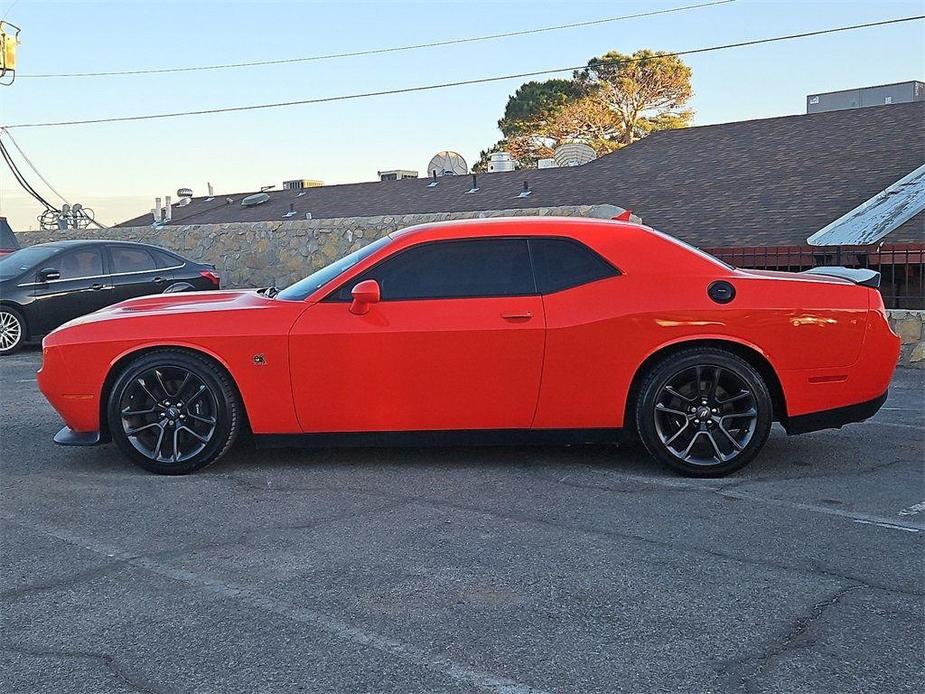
(700, 439)
(173, 412)
(12, 330)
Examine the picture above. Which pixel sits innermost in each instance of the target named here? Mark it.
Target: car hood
(179, 303)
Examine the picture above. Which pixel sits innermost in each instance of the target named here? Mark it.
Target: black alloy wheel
(174, 412)
(704, 412)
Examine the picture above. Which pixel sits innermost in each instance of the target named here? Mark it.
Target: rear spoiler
(862, 276)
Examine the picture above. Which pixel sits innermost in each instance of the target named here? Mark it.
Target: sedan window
(87, 262)
(130, 259)
(454, 270)
(19, 262)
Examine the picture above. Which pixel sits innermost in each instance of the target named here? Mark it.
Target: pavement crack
(109, 661)
(798, 635)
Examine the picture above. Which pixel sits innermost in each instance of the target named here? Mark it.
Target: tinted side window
(165, 259)
(453, 270)
(561, 264)
(128, 259)
(87, 262)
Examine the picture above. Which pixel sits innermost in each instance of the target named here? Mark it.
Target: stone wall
(258, 254)
(909, 326)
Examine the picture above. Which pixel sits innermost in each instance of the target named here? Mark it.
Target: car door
(456, 342)
(135, 272)
(83, 286)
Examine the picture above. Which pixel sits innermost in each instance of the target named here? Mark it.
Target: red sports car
(483, 331)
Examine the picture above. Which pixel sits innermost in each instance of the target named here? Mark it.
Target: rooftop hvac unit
(396, 174)
(302, 183)
(548, 163)
(500, 161)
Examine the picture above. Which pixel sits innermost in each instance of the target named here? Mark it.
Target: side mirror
(47, 274)
(364, 294)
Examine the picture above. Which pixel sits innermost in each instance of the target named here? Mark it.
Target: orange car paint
(562, 360)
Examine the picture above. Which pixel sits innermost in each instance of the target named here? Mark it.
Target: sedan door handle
(158, 280)
(525, 315)
(97, 287)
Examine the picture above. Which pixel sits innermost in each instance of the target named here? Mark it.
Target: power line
(460, 83)
(4, 131)
(24, 183)
(380, 51)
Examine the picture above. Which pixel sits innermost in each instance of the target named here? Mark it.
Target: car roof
(75, 243)
(488, 226)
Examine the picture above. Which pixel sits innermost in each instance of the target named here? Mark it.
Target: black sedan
(46, 285)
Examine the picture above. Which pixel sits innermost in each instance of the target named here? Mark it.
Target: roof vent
(574, 154)
(255, 199)
(475, 186)
(526, 190)
(291, 212)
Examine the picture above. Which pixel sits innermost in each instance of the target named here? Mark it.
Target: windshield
(18, 262)
(304, 287)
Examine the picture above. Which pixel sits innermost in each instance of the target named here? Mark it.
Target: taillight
(213, 277)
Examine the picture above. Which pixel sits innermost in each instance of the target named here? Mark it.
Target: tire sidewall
(663, 372)
(22, 329)
(226, 425)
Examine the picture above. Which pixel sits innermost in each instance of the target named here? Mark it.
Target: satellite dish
(447, 164)
(255, 199)
(573, 154)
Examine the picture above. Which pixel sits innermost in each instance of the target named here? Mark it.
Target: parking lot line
(729, 492)
(462, 674)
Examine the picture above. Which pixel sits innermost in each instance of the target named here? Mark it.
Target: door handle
(522, 316)
(96, 287)
(158, 280)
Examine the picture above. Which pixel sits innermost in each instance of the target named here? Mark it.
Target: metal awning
(874, 219)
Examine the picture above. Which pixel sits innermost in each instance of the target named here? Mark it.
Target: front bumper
(835, 418)
(68, 437)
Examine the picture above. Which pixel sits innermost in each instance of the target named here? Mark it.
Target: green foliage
(612, 102)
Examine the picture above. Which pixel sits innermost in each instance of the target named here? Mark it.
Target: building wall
(258, 254)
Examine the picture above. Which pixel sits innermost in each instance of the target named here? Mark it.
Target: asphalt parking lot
(519, 570)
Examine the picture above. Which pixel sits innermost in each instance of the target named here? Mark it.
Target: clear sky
(118, 169)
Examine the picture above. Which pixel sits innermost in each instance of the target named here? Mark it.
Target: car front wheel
(174, 412)
(12, 330)
(704, 412)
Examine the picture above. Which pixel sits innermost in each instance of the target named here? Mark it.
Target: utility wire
(4, 131)
(460, 83)
(24, 183)
(380, 51)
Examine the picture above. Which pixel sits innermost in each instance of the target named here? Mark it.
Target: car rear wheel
(174, 412)
(12, 330)
(704, 412)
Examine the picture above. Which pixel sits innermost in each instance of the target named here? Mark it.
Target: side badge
(260, 360)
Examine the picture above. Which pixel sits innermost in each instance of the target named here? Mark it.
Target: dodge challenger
(483, 331)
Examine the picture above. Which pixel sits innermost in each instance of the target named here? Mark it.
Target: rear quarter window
(564, 263)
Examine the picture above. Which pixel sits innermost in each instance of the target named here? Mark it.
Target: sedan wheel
(12, 331)
(704, 412)
(174, 412)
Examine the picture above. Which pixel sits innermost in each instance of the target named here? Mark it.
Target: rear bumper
(69, 437)
(834, 418)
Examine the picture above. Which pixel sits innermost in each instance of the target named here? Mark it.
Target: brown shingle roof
(772, 181)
